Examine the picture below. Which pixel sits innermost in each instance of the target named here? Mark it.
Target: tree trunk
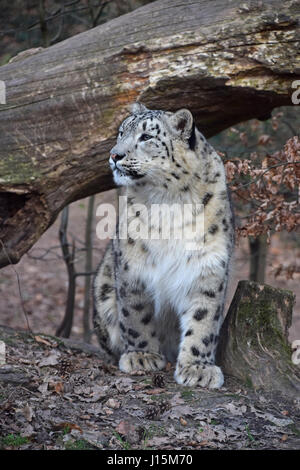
(258, 258)
(253, 341)
(226, 61)
(88, 268)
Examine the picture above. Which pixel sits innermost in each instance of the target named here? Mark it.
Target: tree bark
(225, 61)
(253, 341)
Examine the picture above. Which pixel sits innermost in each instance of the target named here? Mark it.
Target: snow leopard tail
(105, 318)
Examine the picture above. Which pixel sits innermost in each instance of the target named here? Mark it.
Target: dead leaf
(269, 417)
(39, 339)
(124, 384)
(236, 410)
(125, 427)
(6, 406)
(183, 421)
(155, 391)
(59, 387)
(112, 403)
(51, 360)
(192, 443)
(28, 412)
(204, 443)
(27, 431)
(138, 387)
(177, 412)
(264, 139)
(67, 426)
(278, 421)
(91, 394)
(157, 441)
(95, 439)
(177, 400)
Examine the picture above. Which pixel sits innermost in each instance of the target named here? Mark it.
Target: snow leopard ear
(138, 108)
(182, 123)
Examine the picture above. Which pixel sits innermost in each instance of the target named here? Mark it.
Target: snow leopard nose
(116, 157)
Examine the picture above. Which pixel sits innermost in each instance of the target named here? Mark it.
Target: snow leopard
(159, 299)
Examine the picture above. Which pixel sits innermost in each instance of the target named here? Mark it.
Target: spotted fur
(156, 300)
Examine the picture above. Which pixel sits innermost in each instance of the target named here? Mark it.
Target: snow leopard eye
(145, 137)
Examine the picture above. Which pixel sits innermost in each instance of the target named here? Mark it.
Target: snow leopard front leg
(200, 325)
(138, 330)
(141, 345)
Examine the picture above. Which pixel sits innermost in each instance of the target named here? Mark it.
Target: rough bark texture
(226, 61)
(253, 342)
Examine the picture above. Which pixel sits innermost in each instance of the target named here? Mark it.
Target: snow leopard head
(150, 146)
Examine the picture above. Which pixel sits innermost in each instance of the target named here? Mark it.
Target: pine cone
(158, 380)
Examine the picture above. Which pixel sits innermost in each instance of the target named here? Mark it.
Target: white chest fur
(169, 269)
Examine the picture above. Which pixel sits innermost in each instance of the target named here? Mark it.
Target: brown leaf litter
(57, 394)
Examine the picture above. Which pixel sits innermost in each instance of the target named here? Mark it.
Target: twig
(43, 23)
(57, 14)
(263, 173)
(60, 28)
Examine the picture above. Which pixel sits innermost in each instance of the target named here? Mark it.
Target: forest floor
(59, 394)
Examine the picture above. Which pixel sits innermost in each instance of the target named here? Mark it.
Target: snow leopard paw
(139, 360)
(205, 375)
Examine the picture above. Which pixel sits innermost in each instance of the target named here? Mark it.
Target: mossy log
(254, 345)
(226, 61)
